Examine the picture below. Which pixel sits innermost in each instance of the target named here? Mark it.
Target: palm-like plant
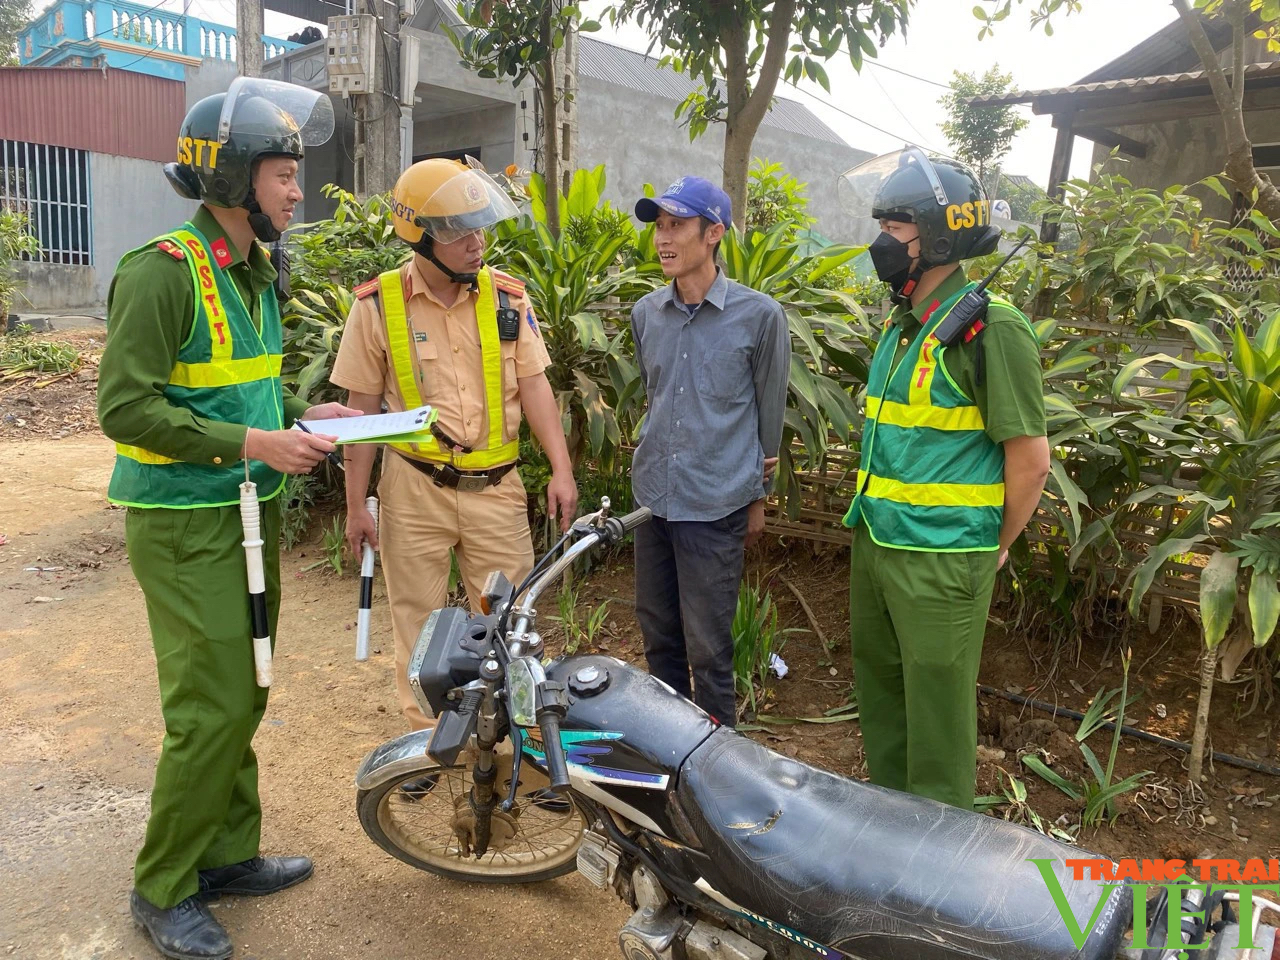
(1227, 429)
(827, 327)
(570, 282)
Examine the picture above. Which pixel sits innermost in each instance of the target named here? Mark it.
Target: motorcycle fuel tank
(625, 736)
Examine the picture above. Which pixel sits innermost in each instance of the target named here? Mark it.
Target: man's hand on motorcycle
(562, 499)
(755, 522)
(360, 527)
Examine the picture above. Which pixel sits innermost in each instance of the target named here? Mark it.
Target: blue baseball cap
(688, 197)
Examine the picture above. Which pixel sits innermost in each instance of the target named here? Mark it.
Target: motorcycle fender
(396, 758)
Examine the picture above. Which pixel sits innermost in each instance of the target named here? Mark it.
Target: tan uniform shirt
(446, 340)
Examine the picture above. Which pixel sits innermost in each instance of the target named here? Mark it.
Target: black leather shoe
(254, 878)
(185, 932)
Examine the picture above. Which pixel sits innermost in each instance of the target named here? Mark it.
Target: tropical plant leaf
(1140, 580)
(1218, 592)
(1043, 770)
(1101, 800)
(1264, 605)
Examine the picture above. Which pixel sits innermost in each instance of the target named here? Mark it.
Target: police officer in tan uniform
(446, 330)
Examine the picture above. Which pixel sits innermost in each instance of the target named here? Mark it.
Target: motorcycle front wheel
(430, 825)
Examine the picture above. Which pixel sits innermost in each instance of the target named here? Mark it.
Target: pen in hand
(331, 455)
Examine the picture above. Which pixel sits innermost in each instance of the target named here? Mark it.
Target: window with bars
(51, 186)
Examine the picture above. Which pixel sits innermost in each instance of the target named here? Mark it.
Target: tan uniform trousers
(418, 524)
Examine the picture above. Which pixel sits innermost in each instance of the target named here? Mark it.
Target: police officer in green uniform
(190, 389)
(954, 457)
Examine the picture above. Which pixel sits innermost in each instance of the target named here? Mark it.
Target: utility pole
(249, 37)
(379, 115)
(566, 61)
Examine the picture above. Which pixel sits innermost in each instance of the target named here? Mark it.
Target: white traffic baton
(366, 586)
(251, 518)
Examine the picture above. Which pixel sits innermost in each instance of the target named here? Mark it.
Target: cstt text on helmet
(204, 152)
(977, 213)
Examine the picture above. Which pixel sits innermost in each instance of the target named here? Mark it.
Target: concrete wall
(1185, 151)
(54, 288)
(212, 76)
(639, 141)
(132, 203)
(492, 129)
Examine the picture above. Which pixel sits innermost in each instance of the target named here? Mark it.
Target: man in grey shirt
(715, 357)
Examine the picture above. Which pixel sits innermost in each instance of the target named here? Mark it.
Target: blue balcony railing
(129, 35)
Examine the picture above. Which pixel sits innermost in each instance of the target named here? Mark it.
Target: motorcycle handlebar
(553, 750)
(635, 518)
(618, 527)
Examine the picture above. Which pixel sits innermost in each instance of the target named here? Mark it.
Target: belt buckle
(472, 483)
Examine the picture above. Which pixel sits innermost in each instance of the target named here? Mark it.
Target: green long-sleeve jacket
(150, 310)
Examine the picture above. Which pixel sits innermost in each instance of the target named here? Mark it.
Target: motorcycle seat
(880, 874)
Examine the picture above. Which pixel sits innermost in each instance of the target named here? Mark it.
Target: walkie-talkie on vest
(969, 312)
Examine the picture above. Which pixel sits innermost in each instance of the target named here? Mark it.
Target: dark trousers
(687, 578)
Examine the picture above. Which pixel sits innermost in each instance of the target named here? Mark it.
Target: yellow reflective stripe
(937, 494)
(395, 317)
(210, 299)
(141, 455)
(225, 373)
(491, 354)
(939, 418)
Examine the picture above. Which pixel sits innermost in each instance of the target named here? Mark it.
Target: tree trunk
(747, 107)
(1230, 101)
(1208, 667)
(550, 127)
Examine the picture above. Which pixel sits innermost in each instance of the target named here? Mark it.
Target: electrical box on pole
(351, 53)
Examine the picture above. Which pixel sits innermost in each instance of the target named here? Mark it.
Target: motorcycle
(724, 849)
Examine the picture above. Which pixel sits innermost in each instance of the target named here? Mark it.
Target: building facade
(105, 83)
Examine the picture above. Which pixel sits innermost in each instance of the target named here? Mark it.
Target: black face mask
(891, 259)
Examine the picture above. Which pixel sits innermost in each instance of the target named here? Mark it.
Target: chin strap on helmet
(260, 222)
(426, 248)
(903, 294)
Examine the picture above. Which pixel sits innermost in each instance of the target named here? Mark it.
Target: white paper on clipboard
(375, 427)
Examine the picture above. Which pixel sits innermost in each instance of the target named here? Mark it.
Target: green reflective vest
(930, 478)
(227, 371)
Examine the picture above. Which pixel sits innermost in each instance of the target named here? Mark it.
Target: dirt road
(80, 730)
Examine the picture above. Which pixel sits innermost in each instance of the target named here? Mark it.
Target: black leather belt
(467, 481)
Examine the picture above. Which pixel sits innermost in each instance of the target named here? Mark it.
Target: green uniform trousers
(204, 805)
(917, 621)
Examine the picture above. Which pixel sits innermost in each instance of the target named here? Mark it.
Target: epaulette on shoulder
(172, 249)
(366, 289)
(510, 284)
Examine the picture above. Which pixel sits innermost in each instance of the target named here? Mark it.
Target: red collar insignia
(221, 255)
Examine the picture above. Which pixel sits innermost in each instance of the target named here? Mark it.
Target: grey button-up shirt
(717, 388)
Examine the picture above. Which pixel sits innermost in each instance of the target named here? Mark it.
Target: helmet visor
(885, 186)
(466, 203)
(309, 113)
(859, 187)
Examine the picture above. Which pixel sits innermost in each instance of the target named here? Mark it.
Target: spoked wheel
(431, 826)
